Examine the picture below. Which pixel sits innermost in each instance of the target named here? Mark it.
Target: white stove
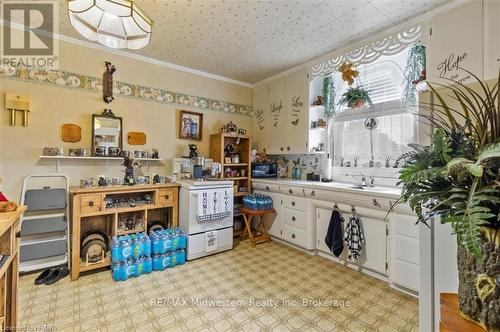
(206, 216)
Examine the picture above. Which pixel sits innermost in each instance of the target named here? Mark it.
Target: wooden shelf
(236, 178)
(241, 193)
(95, 158)
(235, 165)
(130, 232)
(105, 263)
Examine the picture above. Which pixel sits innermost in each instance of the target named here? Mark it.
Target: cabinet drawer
(165, 197)
(294, 191)
(295, 218)
(295, 203)
(266, 187)
(295, 235)
(406, 248)
(90, 203)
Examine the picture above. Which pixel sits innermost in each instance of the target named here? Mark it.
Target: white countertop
(379, 191)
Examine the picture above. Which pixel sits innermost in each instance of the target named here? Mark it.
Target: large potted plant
(457, 179)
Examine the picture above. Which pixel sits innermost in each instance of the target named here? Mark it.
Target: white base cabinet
(273, 221)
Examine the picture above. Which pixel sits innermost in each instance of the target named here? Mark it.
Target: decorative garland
(329, 96)
(414, 73)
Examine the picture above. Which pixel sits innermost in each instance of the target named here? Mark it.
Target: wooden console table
(451, 320)
(89, 212)
(10, 227)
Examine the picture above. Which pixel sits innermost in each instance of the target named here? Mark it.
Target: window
(380, 134)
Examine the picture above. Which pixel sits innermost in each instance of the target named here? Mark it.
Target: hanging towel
(333, 238)
(354, 237)
(214, 204)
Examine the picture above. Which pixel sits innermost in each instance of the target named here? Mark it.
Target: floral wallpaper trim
(94, 84)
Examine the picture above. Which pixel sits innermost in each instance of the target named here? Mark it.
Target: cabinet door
(296, 123)
(322, 222)
(374, 254)
(276, 121)
(273, 222)
(260, 117)
(456, 42)
(491, 39)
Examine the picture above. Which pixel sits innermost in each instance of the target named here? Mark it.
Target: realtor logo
(28, 30)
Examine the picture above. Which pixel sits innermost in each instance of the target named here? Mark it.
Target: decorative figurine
(102, 182)
(129, 164)
(192, 150)
(107, 83)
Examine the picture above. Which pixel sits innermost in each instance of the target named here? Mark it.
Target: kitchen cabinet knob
(290, 191)
(166, 196)
(281, 149)
(267, 187)
(313, 193)
(91, 203)
(293, 236)
(376, 203)
(288, 148)
(18, 234)
(293, 218)
(293, 203)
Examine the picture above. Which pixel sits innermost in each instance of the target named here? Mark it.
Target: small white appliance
(206, 216)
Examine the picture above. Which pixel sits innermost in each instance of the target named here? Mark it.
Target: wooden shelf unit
(244, 148)
(88, 211)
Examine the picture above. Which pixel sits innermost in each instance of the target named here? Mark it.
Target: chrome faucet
(363, 181)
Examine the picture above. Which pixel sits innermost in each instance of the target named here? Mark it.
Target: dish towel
(334, 236)
(354, 237)
(214, 204)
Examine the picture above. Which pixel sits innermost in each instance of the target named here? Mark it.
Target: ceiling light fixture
(112, 23)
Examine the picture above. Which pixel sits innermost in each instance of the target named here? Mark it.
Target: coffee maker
(197, 164)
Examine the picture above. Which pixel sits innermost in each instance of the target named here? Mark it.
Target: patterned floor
(282, 278)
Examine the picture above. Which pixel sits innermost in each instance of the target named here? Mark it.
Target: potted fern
(457, 178)
(356, 98)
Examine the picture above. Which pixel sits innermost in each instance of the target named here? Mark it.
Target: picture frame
(227, 160)
(190, 125)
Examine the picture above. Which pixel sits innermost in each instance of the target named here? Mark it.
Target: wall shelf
(58, 159)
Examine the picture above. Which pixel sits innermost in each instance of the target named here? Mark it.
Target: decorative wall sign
(71, 133)
(371, 123)
(259, 117)
(392, 44)
(93, 84)
(275, 110)
(107, 83)
(296, 106)
(190, 125)
(452, 68)
(136, 138)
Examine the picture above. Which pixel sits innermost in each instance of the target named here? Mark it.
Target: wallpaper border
(88, 83)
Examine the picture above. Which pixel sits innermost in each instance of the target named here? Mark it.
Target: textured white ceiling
(249, 40)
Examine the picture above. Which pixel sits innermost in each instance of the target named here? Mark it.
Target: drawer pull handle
(313, 193)
(293, 236)
(267, 187)
(293, 218)
(18, 234)
(281, 149)
(288, 148)
(293, 203)
(290, 191)
(166, 196)
(91, 203)
(376, 203)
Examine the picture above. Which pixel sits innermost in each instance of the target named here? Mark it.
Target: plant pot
(479, 282)
(357, 104)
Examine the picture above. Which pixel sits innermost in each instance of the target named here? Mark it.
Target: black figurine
(192, 150)
(129, 171)
(102, 182)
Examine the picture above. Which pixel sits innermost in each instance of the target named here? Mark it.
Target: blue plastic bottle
(115, 271)
(148, 264)
(115, 249)
(165, 261)
(182, 240)
(130, 268)
(167, 242)
(136, 247)
(139, 266)
(180, 256)
(156, 262)
(146, 246)
(125, 248)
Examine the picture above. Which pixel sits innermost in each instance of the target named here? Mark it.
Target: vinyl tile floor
(272, 287)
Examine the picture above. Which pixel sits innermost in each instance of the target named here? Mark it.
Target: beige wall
(53, 106)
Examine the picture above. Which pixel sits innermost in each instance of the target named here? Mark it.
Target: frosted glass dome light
(112, 23)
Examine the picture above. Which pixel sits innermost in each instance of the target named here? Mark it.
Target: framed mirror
(106, 135)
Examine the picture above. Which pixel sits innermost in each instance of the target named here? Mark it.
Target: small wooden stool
(247, 216)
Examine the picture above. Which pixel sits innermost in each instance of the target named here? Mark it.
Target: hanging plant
(329, 96)
(356, 98)
(414, 73)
